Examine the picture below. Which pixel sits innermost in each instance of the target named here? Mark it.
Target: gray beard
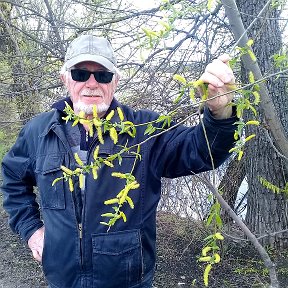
(88, 109)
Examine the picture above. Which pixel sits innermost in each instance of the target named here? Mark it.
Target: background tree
(267, 211)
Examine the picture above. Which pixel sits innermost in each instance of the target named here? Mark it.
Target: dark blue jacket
(125, 256)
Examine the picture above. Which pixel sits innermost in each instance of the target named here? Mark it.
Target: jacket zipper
(80, 226)
(80, 242)
(80, 230)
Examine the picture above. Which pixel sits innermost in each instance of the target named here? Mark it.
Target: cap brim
(93, 58)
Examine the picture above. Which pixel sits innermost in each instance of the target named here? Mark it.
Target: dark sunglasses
(80, 75)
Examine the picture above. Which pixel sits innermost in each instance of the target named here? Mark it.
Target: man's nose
(91, 82)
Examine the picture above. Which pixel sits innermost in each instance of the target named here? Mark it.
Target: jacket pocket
(47, 170)
(117, 259)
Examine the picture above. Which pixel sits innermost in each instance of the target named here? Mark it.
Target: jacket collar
(60, 105)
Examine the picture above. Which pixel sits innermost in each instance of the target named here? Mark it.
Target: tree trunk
(230, 184)
(267, 212)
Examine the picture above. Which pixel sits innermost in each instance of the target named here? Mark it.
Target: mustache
(89, 92)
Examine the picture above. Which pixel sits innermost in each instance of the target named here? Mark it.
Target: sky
(144, 4)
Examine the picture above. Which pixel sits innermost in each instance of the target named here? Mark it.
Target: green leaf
(111, 201)
(239, 123)
(130, 202)
(150, 129)
(208, 237)
(252, 55)
(218, 220)
(206, 274)
(210, 218)
(122, 214)
(192, 95)
(176, 101)
(210, 4)
(138, 149)
(217, 206)
(180, 79)
(112, 157)
(165, 24)
(210, 197)
(253, 110)
(250, 42)
(119, 159)
(56, 180)
(107, 215)
(251, 77)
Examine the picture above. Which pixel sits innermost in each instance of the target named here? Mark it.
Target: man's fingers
(213, 80)
(219, 77)
(220, 70)
(224, 58)
(36, 255)
(36, 243)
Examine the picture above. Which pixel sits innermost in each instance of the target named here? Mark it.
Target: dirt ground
(177, 266)
(17, 268)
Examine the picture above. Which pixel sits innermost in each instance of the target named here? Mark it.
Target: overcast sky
(143, 4)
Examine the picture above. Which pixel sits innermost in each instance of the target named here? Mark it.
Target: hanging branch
(253, 239)
(266, 104)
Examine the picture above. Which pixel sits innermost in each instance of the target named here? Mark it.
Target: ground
(179, 244)
(17, 268)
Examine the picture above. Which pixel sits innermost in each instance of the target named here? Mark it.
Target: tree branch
(266, 104)
(55, 28)
(263, 253)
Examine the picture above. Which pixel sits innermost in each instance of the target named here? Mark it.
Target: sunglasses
(83, 75)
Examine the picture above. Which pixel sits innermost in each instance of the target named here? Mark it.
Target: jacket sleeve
(18, 181)
(184, 151)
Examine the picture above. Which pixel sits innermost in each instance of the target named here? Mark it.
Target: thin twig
(249, 27)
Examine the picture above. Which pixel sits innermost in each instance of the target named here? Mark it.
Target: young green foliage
(240, 141)
(209, 254)
(275, 189)
(281, 61)
(192, 87)
(120, 199)
(111, 125)
(246, 102)
(210, 4)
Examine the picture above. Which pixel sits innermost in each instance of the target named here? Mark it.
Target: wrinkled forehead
(89, 65)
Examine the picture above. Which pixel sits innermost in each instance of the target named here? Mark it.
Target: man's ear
(116, 80)
(63, 79)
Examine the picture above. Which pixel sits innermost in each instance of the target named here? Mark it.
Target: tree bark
(230, 184)
(266, 212)
(267, 106)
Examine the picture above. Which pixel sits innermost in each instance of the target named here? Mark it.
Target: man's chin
(88, 108)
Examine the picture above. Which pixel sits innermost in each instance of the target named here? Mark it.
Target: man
(74, 248)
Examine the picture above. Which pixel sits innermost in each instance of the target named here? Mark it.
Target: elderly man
(74, 248)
